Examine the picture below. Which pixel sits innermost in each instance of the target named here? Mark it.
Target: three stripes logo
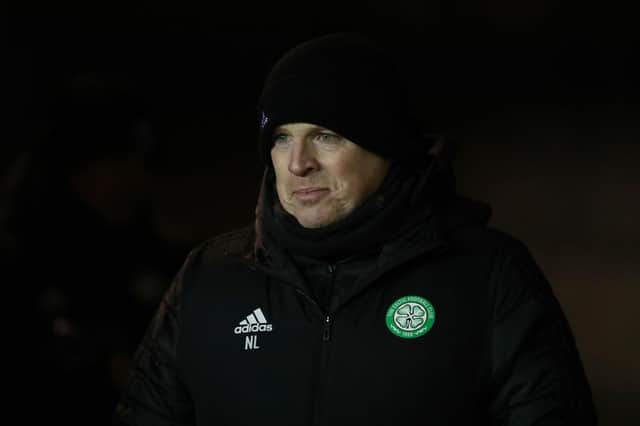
(255, 322)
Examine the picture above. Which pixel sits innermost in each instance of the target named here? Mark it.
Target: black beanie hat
(345, 83)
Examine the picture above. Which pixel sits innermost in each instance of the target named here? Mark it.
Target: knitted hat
(345, 83)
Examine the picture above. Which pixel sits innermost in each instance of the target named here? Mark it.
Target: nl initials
(251, 342)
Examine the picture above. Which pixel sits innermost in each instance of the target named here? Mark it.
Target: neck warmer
(404, 199)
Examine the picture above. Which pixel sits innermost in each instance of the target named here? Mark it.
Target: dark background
(542, 99)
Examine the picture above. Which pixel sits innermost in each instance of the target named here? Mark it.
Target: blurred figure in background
(81, 250)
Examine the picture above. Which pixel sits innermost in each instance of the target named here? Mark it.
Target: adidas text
(252, 328)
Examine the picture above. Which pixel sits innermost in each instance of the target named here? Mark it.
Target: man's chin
(313, 221)
(316, 218)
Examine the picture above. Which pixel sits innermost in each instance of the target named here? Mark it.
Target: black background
(542, 98)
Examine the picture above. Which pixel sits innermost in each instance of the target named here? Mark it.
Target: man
(367, 291)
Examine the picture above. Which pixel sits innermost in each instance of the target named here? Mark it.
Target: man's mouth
(310, 193)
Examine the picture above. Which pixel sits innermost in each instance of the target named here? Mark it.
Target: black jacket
(455, 327)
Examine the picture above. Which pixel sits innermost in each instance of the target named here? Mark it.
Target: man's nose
(302, 160)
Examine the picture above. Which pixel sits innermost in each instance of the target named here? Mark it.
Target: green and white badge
(410, 317)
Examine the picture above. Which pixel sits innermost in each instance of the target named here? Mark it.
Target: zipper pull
(326, 334)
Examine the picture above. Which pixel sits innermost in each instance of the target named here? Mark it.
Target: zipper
(326, 329)
(318, 410)
(319, 403)
(326, 333)
(323, 372)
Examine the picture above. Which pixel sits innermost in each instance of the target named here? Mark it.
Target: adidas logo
(254, 322)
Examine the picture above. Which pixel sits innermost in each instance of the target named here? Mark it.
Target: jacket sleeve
(537, 374)
(155, 395)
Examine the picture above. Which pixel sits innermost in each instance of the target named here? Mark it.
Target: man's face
(321, 177)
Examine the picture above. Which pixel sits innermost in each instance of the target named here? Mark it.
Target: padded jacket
(451, 324)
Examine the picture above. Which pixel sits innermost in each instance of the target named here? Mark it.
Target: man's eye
(280, 139)
(328, 137)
